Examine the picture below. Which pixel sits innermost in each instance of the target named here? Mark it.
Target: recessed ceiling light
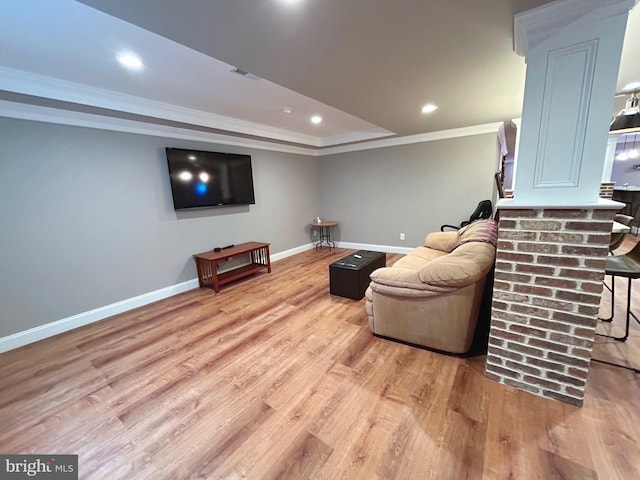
(316, 119)
(631, 86)
(287, 110)
(130, 61)
(429, 107)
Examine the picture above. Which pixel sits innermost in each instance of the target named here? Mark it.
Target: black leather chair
(483, 211)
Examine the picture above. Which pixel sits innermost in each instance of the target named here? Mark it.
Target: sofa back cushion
(485, 231)
(442, 241)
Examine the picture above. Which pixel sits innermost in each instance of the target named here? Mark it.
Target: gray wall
(86, 218)
(414, 189)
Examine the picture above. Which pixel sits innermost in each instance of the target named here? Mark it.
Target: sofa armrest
(397, 276)
(443, 241)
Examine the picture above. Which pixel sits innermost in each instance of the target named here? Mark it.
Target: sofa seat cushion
(418, 258)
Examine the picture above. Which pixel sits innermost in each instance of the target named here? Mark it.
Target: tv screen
(209, 179)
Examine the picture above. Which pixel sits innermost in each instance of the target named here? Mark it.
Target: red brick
(559, 261)
(584, 332)
(542, 382)
(581, 353)
(500, 352)
(595, 263)
(517, 235)
(525, 330)
(561, 237)
(523, 386)
(592, 287)
(492, 376)
(568, 360)
(603, 214)
(509, 317)
(530, 310)
(556, 347)
(509, 213)
(499, 324)
(512, 277)
(502, 224)
(498, 285)
(589, 310)
(547, 325)
(529, 351)
(582, 274)
(556, 282)
(510, 297)
(532, 290)
(536, 269)
(565, 213)
(589, 226)
(502, 371)
(601, 239)
(505, 266)
(578, 373)
(520, 367)
(547, 248)
(503, 245)
(496, 341)
(585, 251)
(499, 305)
(578, 382)
(569, 340)
(575, 319)
(541, 225)
(558, 367)
(576, 392)
(577, 402)
(506, 335)
(577, 297)
(515, 257)
(553, 304)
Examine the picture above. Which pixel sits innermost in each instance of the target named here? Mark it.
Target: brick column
(547, 289)
(606, 189)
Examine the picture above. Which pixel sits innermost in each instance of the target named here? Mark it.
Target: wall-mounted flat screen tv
(209, 179)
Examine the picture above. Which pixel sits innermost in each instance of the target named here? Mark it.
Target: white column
(572, 49)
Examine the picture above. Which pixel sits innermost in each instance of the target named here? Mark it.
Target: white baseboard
(41, 332)
(378, 248)
(64, 325)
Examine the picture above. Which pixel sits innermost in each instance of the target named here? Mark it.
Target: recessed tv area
(201, 179)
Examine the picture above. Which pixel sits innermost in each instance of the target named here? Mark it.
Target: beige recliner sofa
(432, 296)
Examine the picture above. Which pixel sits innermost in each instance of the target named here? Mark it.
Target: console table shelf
(207, 264)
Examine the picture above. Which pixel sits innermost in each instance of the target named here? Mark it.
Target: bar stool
(626, 266)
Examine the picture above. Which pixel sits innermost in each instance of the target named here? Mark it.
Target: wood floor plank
(274, 377)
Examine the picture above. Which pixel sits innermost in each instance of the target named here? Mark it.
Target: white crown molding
(353, 137)
(79, 119)
(538, 23)
(38, 113)
(420, 138)
(26, 83)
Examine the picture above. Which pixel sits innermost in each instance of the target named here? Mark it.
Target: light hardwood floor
(275, 378)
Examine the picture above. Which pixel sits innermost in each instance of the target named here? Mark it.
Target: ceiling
(365, 66)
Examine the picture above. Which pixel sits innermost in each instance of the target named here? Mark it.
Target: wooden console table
(207, 263)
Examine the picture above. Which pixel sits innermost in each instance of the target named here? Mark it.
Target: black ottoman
(349, 276)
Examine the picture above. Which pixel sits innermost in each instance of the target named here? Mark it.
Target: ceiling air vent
(245, 74)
